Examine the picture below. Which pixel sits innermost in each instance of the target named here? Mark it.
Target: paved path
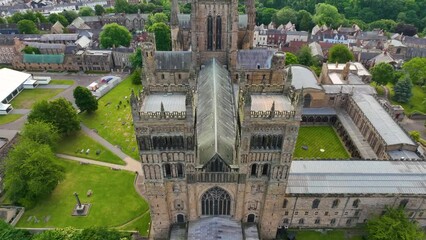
(54, 86)
(99, 163)
(20, 111)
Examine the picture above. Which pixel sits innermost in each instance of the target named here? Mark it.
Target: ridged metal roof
(357, 177)
(216, 130)
(173, 60)
(255, 58)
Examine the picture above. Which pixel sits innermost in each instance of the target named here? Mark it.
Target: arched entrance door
(216, 201)
(180, 218)
(250, 218)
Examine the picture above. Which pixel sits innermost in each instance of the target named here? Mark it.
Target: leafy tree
(284, 16)
(7, 232)
(115, 35)
(382, 73)
(403, 90)
(416, 70)
(53, 18)
(30, 50)
(109, 10)
(30, 173)
(327, 14)
(121, 6)
(264, 16)
(406, 29)
(385, 24)
(41, 132)
(70, 15)
(99, 233)
(340, 53)
(85, 100)
(157, 18)
(305, 56)
(304, 21)
(290, 58)
(27, 27)
(394, 224)
(86, 11)
(136, 77)
(67, 233)
(136, 59)
(163, 39)
(59, 112)
(99, 10)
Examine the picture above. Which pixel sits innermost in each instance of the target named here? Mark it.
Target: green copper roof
(44, 58)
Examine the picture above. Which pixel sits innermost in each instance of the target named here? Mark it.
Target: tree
(85, 100)
(115, 35)
(406, 29)
(30, 50)
(136, 77)
(305, 56)
(403, 90)
(264, 16)
(416, 70)
(284, 16)
(290, 58)
(7, 232)
(158, 18)
(99, 10)
(67, 233)
(387, 25)
(382, 73)
(99, 233)
(27, 27)
(41, 132)
(121, 6)
(30, 173)
(340, 53)
(60, 113)
(163, 39)
(86, 11)
(327, 14)
(53, 18)
(70, 15)
(136, 59)
(304, 21)
(394, 224)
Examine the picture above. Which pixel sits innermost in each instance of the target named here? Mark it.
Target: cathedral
(217, 123)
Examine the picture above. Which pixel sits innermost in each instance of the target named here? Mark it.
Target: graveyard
(113, 119)
(319, 142)
(111, 194)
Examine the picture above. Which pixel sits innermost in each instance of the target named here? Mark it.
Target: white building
(11, 84)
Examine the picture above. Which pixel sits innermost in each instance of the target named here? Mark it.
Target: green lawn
(316, 138)
(114, 200)
(416, 101)
(329, 235)
(113, 124)
(28, 97)
(139, 224)
(72, 145)
(62, 82)
(9, 118)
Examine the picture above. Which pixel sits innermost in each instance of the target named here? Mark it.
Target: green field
(113, 123)
(28, 97)
(115, 201)
(9, 118)
(72, 145)
(61, 82)
(316, 138)
(416, 102)
(329, 235)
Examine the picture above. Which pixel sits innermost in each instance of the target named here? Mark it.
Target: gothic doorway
(250, 218)
(180, 218)
(216, 201)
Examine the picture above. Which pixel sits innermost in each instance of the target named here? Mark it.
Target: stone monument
(80, 209)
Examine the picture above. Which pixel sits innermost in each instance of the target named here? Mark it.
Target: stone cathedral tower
(212, 144)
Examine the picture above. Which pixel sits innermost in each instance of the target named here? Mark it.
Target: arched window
(307, 100)
(253, 171)
(180, 170)
(217, 165)
(162, 76)
(333, 221)
(301, 221)
(403, 203)
(317, 221)
(285, 221)
(355, 204)
(180, 218)
(250, 218)
(216, 201)
(315, 203)
(167, 170)
(265, 169)
(285, 203)
(218, 32)
(209, 33)
(335, 203)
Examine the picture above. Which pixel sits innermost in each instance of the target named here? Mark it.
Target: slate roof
(45, 45)
(173, 60)
(303, 77)
(216, 117)
(44, 58)
(251, 59)
(414, 40)
(59, 37)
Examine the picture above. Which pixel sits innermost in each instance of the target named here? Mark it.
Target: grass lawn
(72, 145)
(329, 235)
(139, 224)
(114, 200)
(9, 118)
(416, 101)
(28, 97)
(62, 82)
(115, 125)
(316, 138)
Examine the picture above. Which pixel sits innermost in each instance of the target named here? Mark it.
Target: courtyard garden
(4, 119)
(61, 82)
(319, 142)
(81, 145)
(114, 201)
(113, 119)
(28, 97)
